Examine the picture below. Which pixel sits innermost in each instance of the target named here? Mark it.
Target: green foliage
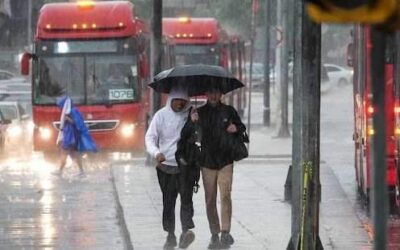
(234, 15)
(143, 8)
(334, 41)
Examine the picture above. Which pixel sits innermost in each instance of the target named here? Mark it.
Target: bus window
(112, 79)
(59, 76)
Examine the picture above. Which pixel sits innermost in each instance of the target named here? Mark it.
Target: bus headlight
(127, 130)
(45, 133)
(14, 131)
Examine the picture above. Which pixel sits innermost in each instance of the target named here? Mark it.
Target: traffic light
(345, 11)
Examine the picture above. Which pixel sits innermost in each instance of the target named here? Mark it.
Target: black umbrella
(196, 78)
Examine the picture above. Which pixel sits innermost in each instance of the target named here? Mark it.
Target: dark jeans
(171, 185)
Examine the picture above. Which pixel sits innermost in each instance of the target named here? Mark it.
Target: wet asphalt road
(42, 211)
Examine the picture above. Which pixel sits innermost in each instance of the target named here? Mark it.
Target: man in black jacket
(215, 122)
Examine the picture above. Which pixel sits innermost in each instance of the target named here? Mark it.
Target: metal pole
(311, 63)
(274, 22)
(277, 65)
(311, 153)
(267, 23)
(157, 48)
(29, 33)
(284, 125)
(396, 78)
(156, 59)
(296, 179)
(252, 38)
(379, 188)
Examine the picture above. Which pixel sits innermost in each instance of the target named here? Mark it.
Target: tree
(143, 8)
(335, 39)
(235, 16)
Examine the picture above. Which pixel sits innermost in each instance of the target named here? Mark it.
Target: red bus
(360, 59)
(202, 40)
(98, 54)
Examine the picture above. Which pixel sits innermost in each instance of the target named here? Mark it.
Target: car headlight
(45, 133)
(14, 131)
(30, 126)
(127, 130)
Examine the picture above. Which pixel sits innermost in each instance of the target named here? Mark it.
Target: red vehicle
(236, 64)
(202, 40)
(96, 53)
(363, 111)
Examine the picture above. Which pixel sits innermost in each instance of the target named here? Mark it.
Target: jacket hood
(60, 101)
(178, 94)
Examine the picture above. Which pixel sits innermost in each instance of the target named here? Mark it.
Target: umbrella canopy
(196, 78)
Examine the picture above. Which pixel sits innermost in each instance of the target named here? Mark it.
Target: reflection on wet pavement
(42, 211)
(394, 233)
(393, 225)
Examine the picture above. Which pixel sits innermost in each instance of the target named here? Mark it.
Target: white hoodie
(165, 129)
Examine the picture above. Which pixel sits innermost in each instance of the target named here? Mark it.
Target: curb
(120, 214)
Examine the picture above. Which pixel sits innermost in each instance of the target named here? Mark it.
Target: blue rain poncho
(73, 135)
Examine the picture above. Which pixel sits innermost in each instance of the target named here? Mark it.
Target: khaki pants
(212, 179)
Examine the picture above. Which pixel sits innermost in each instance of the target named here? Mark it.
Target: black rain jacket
(216, 146)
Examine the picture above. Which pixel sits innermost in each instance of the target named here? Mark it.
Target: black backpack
(188, 152)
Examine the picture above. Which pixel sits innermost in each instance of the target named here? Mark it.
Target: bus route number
(120, 94)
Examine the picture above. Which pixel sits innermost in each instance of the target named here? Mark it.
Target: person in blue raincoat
(74, 137)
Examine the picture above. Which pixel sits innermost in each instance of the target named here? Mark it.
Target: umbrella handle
(192, 112)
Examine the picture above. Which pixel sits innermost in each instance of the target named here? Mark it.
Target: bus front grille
(96, 125)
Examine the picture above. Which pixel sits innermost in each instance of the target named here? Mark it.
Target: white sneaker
(57, 173)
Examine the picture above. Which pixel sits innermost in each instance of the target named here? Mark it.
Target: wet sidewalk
(261, 218)
(42, 211)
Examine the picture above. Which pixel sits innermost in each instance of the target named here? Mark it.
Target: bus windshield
(86, 78)
(194, 54)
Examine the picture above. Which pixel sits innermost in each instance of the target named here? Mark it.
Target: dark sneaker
(170, 243)
(81, 174)
(214, 242)
(227, 239)
(186, 239)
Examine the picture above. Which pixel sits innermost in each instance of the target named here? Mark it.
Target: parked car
(4, 123)
(19, 131)
(24, 98)
(325, 80)
(17, 92)
(339, 75)
(7, 77)
(326, 83)
(258, 75)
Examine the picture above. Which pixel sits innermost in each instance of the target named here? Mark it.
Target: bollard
(288, 185)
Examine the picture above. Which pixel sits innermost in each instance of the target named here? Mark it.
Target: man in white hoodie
(161, 141)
